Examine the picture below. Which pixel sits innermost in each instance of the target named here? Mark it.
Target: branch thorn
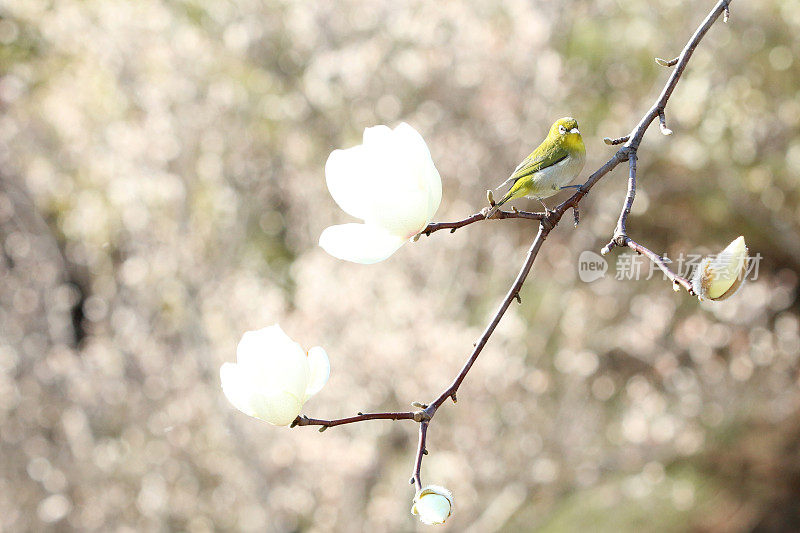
(726, 13)
(518, 298)
(323, 428)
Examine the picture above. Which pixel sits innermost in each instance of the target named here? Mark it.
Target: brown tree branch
(416, 479)
(620, 237)
(547, 222)
(628, 151)
(306, 421)
(621, 231)
(513, 293)
(661, 263)
(478, 217)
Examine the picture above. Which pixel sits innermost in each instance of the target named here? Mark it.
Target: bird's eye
(574, 130)
(562, 130)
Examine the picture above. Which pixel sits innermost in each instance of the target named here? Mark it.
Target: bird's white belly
(549, 181)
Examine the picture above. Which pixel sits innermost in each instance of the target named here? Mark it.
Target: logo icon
(591, 266)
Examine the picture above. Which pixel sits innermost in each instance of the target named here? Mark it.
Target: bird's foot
(546, 209)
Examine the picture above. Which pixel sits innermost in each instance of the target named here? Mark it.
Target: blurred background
(162, 190)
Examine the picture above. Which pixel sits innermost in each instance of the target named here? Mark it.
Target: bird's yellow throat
(573, 142)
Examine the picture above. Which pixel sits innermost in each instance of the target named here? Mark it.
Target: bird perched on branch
(554, 163)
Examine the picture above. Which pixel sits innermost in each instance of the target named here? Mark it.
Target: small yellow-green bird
(554, 163)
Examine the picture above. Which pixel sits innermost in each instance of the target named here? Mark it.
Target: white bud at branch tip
(719, 277)
(433, 504)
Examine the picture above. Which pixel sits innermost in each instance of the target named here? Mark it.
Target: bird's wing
(539, 159)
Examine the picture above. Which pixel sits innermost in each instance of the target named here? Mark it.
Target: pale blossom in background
(273, 376)
(719, 277)
(433, 504)
(389, 182)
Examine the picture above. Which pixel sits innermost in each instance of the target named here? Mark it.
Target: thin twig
(510, 296)
(547, 222)
(657, 111)
(662, 264)
(628, 151)
(478, 217)
(306, 421)
(423, 433)
(621, 231)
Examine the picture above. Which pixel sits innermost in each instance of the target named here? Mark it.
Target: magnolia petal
(730, 266)
(403, 165)
(320, 370)
(277, 409)
(274, 362)
(433, 504)
(434, 192)
(237, 387)
(379, 135)
(419, 153)
(412, 178)
(432, 509)
(403, 212)
(389, 181)
(718, 278)
(349, 176)
(251, 345)
(360, 243)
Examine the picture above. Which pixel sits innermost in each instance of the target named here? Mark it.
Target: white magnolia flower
(433, 504)
(391, 183)
(717, 278)
(273, 376)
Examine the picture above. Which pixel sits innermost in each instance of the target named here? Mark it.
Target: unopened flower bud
(719, 277)
(433, 504)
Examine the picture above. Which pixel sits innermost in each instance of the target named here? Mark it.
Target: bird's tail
(496, 207)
